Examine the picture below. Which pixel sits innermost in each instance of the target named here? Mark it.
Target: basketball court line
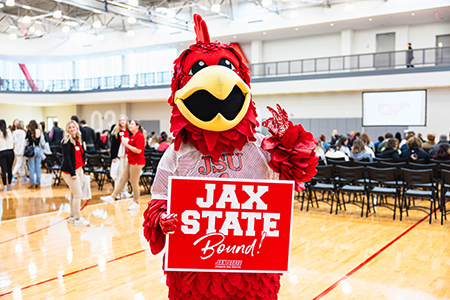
(72, 273)
(357, 268)
(320, 296)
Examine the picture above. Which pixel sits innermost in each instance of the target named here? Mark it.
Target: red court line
(40, 229)
(74, 272)
(337, 283)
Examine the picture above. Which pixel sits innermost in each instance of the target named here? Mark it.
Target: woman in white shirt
(6, 155)
(20, 167)
(342, 145)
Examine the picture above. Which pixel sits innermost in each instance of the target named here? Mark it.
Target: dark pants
(6, 163)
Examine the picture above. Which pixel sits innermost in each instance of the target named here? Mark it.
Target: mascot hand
(279, 123)
(168, 223)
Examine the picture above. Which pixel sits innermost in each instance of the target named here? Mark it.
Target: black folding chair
(419, 184)
(94, 165)
(445, 194)
(384, 187)
(53, 166)
(322, 182)
(106, 160)
(349, 179)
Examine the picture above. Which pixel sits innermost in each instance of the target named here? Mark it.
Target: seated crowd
(359, 147)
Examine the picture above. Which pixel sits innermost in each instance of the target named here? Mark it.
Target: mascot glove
(168, 223)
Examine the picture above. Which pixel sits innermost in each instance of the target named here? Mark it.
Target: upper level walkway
(370, 64)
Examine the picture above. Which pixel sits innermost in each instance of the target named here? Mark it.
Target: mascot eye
(197, 66)
(226, 63)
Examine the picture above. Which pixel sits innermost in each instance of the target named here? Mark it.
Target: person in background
(391, 151)
(89, 137)
(414, 151)
(430, 142)
(135, 147)
(6, 155)
(366, 147)
(369, 142)
(409, 57)
(380, 140)
(324, 142)
(352, 137)
(165, 143)
(334, 137)
(442, 153)
(20, 167)
(409, 135)
(75, 118)
(13, 127)
(34, 137)
(99, 144)
(44, 133)
(419, 135)
(320, 151)
(118, 133)
(153, 142)
(104, 136)
(333, 153)
(72, 170)
(398, 136)
(341, 145)
(442, 140)
(359, 152)
(56, 135)
(381, 146)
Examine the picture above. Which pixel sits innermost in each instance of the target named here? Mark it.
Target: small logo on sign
(228, 264)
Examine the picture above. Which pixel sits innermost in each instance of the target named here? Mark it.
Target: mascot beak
(215, 99)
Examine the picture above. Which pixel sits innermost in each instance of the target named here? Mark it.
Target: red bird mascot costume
(213, 122)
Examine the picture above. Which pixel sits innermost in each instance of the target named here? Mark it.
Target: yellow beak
(219, 81)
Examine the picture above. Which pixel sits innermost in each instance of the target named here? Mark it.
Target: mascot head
(211, 101)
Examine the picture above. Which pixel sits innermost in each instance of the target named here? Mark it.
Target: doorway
(385, 42)
(443, 49)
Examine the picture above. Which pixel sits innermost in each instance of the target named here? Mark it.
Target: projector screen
(402, 108)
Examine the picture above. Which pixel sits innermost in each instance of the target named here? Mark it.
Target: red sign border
(166, 256)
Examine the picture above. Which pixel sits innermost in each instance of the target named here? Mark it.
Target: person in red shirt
(165, 143)
(134, 148)
(72, 170)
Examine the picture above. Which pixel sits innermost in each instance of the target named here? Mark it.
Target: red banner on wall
(230, 225)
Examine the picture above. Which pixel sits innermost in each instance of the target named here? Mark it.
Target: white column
(257, 57)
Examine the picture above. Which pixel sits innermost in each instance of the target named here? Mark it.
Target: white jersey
(251, 162)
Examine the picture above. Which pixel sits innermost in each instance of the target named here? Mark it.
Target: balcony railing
(427, 57)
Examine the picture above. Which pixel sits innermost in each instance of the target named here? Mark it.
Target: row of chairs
(99, 165)
(369, 187)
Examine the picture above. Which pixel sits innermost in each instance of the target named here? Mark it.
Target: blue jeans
(34, 166)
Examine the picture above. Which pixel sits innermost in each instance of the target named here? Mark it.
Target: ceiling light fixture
(370, 20)
(440, 44)
(32, 29)
(2, 5)
(57, 14)
(38, 32)
(264, 33)
(413, 14)
(66, 29)
(26, 20)
(26, 7)
(100, 37)
(10, 3)
(131, 20)
(97, 11)
(131, 33)
(13, 36)
(331, 24)
(296, 29)
(97, 24)
(215, 7)
(293, 14)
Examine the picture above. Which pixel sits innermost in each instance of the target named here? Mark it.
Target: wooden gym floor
(339, 256)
